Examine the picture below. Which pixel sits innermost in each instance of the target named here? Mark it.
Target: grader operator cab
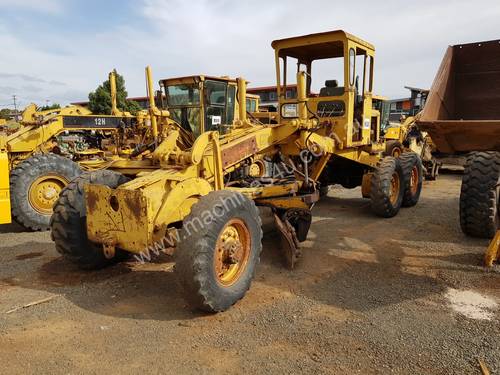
(200, 103)
(201, 200)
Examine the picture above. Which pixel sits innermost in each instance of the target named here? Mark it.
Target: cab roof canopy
(318, 46)
(194, 79)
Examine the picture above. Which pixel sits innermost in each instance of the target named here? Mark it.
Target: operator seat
(331, 88)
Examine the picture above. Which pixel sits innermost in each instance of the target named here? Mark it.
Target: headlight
(289, 110)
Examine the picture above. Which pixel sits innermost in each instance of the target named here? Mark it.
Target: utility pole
(15, 106)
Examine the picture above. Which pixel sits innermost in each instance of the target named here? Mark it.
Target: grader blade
(289, 242)
(293, 226)
(493, 252)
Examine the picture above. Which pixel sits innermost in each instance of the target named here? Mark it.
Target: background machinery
(201, 198)
(462, 115)
(407, 136)
(52, 147)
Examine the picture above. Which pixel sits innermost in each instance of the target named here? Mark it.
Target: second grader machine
(202, 199)
(53, 147)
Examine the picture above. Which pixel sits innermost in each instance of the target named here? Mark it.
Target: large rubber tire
(432, 170)
(413, 173)
(69, 222)
(31, 171)
(196, 250)
(323, 191)
(385, 201)
(393, 148)
(479, 196)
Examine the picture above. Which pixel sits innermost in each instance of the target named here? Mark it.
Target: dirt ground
(405, 295)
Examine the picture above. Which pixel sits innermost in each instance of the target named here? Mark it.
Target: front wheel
(69, 222)
(413, 175)
(35, 185)
(218, 250)
(393, 148)
(387, 187)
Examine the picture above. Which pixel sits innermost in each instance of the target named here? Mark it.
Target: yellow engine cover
(393, 132)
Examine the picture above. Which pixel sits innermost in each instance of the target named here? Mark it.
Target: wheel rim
(414, 180)
(395, 187)
(232, 252)
(396, 152)
(44, 191)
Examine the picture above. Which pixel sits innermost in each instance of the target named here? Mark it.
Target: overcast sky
(59, 50)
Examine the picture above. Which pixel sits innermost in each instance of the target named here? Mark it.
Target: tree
(48, 107)
(100, 99)
(6, 113)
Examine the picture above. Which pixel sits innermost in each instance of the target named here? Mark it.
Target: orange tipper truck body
(462, 112)
(462, 115)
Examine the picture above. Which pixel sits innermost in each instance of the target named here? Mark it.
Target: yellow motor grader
(52, 147)
(201, 199)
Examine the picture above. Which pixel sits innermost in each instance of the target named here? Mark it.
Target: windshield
(183, 95)
(188, 118)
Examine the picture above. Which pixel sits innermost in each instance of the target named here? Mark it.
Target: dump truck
(462, 115)
(200, 201)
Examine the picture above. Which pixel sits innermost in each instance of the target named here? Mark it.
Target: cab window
(183, 101)
(215, 104)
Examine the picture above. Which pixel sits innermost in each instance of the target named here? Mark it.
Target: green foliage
(5, 113)
(48, 107)
(100, 99)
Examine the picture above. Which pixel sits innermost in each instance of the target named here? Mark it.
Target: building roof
(416, 89)
(268, 88)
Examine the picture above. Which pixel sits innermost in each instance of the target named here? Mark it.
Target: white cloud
(227, 37)
(224, 37)
(42, 6)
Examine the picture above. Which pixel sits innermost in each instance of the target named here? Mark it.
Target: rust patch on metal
(134, 205)
(289, 242)
(91, 200)
(239, 152)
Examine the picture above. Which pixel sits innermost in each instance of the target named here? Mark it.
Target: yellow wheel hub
(44, 191)
(414, 180)
(395, 187)
(232, 252)
(396, 152)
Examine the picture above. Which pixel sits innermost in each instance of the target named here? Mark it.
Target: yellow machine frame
(151, 203)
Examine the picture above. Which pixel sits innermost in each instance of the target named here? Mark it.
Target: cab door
(215, 105)
(361, 68)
